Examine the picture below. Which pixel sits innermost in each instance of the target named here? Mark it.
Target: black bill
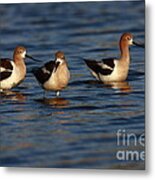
(56, 66)
(137, 44)
(30, 57)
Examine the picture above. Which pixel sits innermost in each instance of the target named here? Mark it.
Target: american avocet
(13, 72)
(54, 75)
(111, 70)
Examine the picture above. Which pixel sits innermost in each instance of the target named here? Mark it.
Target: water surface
(79, 129)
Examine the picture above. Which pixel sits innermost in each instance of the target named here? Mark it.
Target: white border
(43, 1)
(40, 174)
(40, 1)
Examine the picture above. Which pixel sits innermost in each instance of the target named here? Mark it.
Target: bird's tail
(90, 63)
(34, 70)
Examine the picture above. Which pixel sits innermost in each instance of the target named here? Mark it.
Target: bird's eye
(128, 38)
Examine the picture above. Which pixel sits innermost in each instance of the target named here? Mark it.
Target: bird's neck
(18, 60)
(125, 53)
(20, 63)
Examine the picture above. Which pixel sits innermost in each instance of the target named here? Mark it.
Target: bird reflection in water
(12, 95)
(123, 87)
(56, 102)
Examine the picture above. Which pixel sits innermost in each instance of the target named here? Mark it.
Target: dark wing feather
(6, 64)
(42, 74)
(97, 68)
(109, 62)
(4, 75)
(50, 66)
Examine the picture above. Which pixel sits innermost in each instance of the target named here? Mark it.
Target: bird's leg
(58, 93)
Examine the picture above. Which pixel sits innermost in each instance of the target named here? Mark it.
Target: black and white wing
(104, 67)
(42, 74)
(6, 69)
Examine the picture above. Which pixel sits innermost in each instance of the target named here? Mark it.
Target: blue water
(79, 129)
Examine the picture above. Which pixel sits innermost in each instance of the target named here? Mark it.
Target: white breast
(119, 73)
(15, 78)
(58, 79)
